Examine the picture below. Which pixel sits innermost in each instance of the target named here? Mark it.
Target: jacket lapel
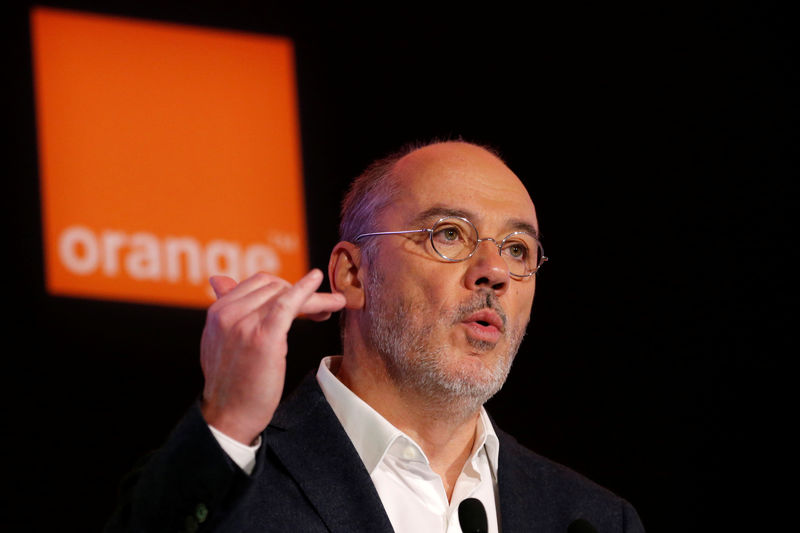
(520, 506)
(308, 439)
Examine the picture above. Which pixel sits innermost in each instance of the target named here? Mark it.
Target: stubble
(402, 332)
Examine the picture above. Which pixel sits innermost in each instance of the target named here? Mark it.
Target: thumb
(222, 285)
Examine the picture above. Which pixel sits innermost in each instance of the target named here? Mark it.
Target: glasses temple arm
(390, 233)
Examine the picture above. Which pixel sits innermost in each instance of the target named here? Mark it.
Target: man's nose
(487, 269)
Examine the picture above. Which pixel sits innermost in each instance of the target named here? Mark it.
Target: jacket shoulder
(537, 490)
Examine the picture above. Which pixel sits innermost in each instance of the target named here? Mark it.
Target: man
(436, 276)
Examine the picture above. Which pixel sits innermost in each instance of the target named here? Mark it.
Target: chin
(476, 377)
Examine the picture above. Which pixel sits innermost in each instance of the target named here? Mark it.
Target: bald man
(435, 274)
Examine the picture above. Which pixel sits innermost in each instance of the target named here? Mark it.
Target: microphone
(472, 516)
(581, 526)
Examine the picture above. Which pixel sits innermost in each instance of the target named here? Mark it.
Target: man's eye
(450, 234)
(517, 251)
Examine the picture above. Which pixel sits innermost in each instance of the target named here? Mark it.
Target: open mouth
(484, 325)
(486, 318)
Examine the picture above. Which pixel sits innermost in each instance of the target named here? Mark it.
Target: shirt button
(409, 453)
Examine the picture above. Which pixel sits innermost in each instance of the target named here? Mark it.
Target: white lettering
(174, 248)
(111, 242)
(259, 257)
(78, 250)
(144, 256)
(222, 258)
(144, 261)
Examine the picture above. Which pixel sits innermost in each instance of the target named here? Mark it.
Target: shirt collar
(371, 434)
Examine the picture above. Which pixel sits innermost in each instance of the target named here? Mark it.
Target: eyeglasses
(456, 239)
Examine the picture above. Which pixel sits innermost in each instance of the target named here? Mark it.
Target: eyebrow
(521, 225)
(440, 211)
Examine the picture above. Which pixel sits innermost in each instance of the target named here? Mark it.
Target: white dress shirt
(412, 494)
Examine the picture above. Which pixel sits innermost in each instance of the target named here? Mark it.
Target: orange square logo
(167, 154)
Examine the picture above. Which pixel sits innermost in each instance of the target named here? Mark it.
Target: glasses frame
(499, 245)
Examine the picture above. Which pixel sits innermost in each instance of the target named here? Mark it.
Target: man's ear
(344, 273)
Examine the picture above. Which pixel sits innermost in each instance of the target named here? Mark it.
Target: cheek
(422, 296)
(437, 283)
(520, 300)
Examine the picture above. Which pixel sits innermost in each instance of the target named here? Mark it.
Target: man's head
(444, 330)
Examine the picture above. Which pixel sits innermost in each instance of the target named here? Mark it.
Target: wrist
(230, 424)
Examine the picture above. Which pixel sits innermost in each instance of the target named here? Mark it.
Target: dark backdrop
(655, 142)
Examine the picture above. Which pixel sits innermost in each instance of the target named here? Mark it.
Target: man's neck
(445, 434)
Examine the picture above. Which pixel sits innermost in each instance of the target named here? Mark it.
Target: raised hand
(244, 346)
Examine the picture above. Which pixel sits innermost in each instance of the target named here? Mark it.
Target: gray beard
(416, 366)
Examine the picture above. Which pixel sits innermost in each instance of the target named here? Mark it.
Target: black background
(656, 142)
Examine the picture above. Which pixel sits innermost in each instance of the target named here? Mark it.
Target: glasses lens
(454, 238)
(522, 253)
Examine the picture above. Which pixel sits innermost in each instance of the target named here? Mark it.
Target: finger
(253, 283)
(319, 317)
(305, 286)
(236, 306)
(222, 285)
(290, 302)
(320, 302)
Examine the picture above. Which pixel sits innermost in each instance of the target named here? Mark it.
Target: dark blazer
(309, 478)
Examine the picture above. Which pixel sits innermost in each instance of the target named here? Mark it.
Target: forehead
(461, 177)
